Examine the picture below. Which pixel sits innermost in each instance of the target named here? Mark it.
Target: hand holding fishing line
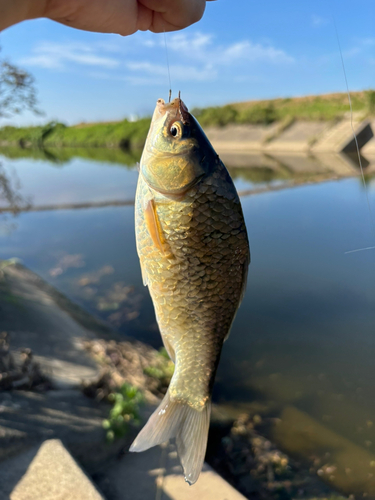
(123, 17)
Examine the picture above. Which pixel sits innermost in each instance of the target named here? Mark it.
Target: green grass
(162, 369)
(315, 108)
(131, 136)
(126, 402)
(125, 134)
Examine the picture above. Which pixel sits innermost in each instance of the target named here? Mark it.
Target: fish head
(177, 153)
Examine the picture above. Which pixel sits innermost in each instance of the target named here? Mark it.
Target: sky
(240, 50)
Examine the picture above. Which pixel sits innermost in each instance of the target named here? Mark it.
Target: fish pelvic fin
(188, 425)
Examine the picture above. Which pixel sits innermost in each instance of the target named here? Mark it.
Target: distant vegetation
(318, 108)
(125, 134)
(130, 136)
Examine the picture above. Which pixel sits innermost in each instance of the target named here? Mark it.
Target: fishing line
(360, 250)
(355, 140)
(169, 72)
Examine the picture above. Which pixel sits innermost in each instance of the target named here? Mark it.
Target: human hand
(108, 16)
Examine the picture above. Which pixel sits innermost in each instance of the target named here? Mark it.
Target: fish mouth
(176, 105)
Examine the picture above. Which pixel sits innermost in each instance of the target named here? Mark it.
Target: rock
(50, 473)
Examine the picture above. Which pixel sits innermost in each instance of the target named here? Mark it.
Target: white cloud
(318, 21)
(369, 42)
(201, 59)
(179, 72)
(181, 42)
(249, 51)
(365, 42)
(194, 57)
(202, 47)
(363, 47)
(59, 56)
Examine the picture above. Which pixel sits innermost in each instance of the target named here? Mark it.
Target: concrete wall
(297, 137)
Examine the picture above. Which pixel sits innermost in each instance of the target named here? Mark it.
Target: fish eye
(176, 129)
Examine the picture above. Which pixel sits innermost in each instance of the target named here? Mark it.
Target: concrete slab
(340, 136)
(157, 474)
(239, 138)
(298, 137)
(369, 148)
(52, 334)
(370, 169)
(51, 473)
(210, 486)
(28, 418)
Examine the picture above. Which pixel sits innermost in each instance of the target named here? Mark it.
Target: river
(304, 337)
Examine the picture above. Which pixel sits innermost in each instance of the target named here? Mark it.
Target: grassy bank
(125, 134)
(131, 135)
(315, 108)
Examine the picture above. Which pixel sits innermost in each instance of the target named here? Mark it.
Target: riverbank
(75, 351)
(267, 119)
(61, 336)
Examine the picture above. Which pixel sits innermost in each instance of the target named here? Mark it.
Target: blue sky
(240, 50)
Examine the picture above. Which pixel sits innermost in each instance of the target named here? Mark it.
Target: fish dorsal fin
(153, 224)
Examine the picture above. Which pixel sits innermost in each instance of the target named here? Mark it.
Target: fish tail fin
(189, 427)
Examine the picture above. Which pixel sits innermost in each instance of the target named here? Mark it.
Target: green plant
(370, 94)
(261, 114)
(126, 402)
(216, 116)
(162, 368)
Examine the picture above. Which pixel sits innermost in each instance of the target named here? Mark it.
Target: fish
(194, 254)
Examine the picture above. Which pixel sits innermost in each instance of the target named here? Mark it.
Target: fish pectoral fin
(153, 224)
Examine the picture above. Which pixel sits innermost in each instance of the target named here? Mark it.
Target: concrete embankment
(295, 137)
(31, 424)
(48, 438)
(369, 148)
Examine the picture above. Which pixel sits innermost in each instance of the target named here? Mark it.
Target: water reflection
(10, 195)
(65, 155)
(302, 347)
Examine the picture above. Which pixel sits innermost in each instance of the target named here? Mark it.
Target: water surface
(305, 334)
